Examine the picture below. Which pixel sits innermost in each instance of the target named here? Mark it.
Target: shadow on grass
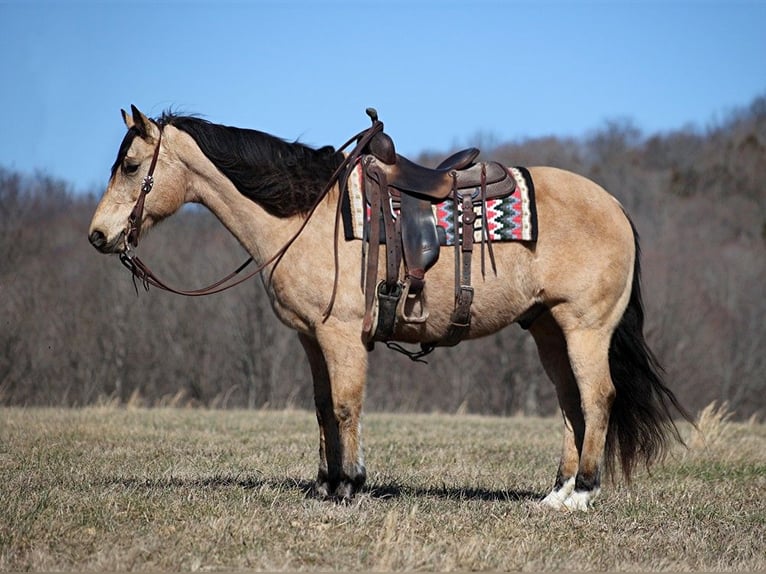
(378, 492)
(451, 493)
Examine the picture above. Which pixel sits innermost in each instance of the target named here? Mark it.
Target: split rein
(143, 274)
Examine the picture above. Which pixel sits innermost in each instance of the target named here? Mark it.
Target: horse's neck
(261, 233)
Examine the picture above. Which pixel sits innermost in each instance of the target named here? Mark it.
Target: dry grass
(165, 489)
(712, 425)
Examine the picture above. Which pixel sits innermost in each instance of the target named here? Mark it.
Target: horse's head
(143, 146)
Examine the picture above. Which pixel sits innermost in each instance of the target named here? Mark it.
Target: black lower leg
(588, 482)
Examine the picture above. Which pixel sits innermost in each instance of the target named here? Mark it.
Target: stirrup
(380, 320)
(412, 308)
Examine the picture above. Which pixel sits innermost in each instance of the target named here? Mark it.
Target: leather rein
(147, 277)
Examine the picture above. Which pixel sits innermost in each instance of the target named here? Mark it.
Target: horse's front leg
(339, 369)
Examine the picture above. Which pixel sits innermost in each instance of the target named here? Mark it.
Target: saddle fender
(420, 240)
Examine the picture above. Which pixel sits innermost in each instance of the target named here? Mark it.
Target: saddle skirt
(512, 218)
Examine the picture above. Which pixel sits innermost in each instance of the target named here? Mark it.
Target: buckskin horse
(576, 288)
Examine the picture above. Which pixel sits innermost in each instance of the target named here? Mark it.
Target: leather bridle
(146, 276)
(138, 268)
(133, 230)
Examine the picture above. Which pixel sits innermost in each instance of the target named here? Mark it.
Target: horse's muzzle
(98, 240)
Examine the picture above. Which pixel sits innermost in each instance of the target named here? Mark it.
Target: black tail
(641, 423)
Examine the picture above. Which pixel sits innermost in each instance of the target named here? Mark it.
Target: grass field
(123, 489)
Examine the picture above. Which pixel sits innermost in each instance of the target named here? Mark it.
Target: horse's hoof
(344, 493)
(321, 490)
(577, 501)
(581, 499)
(557, 497)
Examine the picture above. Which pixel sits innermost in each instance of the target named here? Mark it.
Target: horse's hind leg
(578, 365)
(339, 380)
(552, 348)
(589, 356)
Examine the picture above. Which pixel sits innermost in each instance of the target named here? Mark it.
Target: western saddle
(401, 194)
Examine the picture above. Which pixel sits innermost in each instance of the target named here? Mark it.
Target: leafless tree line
(73, 331)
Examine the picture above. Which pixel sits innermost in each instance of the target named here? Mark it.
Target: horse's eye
(131, 168)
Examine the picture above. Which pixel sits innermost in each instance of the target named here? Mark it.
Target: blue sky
(439, 73)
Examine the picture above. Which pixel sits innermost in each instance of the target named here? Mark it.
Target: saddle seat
(458, 171)
(438, 184)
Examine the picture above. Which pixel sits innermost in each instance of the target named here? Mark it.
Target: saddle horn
(381, 145)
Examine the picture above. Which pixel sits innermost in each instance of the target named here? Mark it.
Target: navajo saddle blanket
(512, 218)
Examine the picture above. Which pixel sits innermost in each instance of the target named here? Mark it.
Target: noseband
(142, 273)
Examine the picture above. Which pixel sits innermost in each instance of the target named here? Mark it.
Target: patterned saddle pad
(513, 218)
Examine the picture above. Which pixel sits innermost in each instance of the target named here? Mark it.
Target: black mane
(284, 178)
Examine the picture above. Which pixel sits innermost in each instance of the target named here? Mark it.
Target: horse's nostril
(97, 239)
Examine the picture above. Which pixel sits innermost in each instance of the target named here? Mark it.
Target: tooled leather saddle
(400, 194)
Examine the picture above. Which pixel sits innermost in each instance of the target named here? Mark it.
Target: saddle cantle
(460, 159)
(394, 183)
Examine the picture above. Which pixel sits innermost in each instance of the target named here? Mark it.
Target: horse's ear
(127, 118)
(140, 121)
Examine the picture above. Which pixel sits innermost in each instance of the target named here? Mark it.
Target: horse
(581, 277)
